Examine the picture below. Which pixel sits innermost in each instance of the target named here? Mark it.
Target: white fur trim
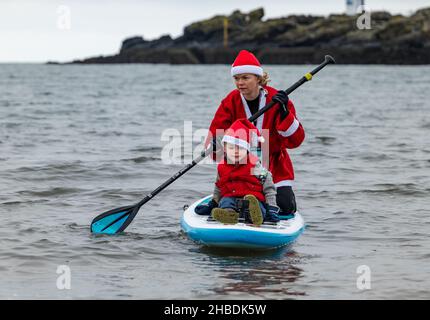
(236, 141)
(284, 183)
(291, 130)
(247, 69)
(260, 119)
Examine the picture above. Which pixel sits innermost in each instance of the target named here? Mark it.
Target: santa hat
(243, 133)
(246, 62)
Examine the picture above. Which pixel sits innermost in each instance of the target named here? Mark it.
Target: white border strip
(291, 130)
(247, 69)
(260, 119)
(236, 141)
(284, 183)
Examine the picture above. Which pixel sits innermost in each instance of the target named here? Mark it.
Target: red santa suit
(237, 180)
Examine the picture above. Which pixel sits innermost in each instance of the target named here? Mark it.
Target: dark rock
(134, 42)
(163, 42)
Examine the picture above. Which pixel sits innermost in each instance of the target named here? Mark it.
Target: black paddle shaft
(307, 77)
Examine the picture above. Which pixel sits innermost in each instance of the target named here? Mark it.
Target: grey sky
(29, 30)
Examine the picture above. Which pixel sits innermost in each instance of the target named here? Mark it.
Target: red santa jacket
(238, 180)
(283, 135)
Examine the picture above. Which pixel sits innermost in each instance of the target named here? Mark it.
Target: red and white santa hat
(246, 62)
(243, 134)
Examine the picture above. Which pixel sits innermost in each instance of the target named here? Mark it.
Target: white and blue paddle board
(212, 233)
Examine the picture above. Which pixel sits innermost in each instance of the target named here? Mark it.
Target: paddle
(116, 220)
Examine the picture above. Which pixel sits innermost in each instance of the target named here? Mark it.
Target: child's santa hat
(243, 133)
(246, 62)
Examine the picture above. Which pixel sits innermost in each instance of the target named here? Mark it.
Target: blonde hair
(264, 79)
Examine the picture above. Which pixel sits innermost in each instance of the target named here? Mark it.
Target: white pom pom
(261, 139)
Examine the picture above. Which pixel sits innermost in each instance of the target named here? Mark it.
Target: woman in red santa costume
(280, 122)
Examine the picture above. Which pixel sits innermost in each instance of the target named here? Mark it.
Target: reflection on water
(256, 273)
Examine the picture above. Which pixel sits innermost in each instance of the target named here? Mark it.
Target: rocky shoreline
(296, 39)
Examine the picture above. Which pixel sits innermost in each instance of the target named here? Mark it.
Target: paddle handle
(307, 77)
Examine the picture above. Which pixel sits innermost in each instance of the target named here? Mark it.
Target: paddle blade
(114, 221)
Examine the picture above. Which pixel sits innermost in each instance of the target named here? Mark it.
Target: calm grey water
(78, 140)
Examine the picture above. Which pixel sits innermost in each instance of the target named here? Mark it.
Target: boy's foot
(254, 210)
(227, 216)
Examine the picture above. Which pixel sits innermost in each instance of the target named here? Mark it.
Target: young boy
(242, 177)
